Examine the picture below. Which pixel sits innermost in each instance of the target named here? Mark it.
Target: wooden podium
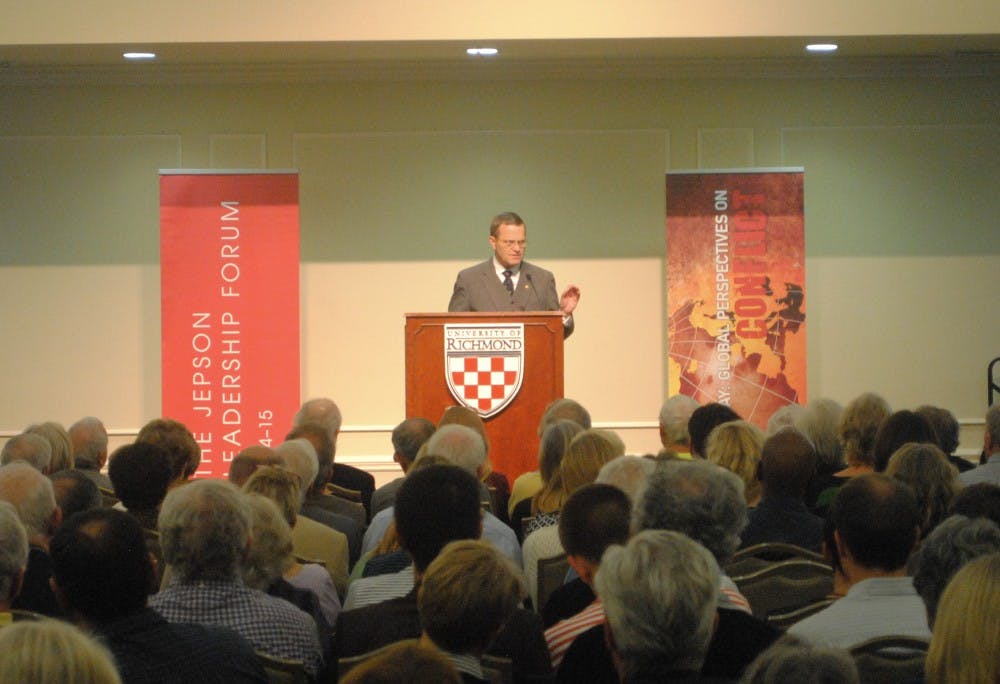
(513, 430)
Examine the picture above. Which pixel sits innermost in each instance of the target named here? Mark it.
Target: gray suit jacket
(477, 288)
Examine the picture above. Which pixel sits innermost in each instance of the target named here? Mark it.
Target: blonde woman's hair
(736, 446)
(933, 479)
(553, 446)
(270, 554)
(62, 446)
(586, 455)
(858, 424)
(966, 638)
(280, 486)
(53, 652)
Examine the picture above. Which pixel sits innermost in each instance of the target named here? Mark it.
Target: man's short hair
(877, 519)
(101, 565)
(299, 457)
(435, 505)
(58, 439)
(945, 426)
(699, 499)
(564, 409)
(90, 442)
(787, 463)
(461, 445)
(820, 423)
(75, 492)
(659, 594)
(594, 517)
(952, 544)
(183, 452)
(858, 425)
(784, 416)
(467, 594)
(926, 469)
(790, 659)
(316, 434)
(629, 474)
(248, 460)
(506, 218)
(323, 411)
(140, 474)
(674, 416)
(33, 449)
(895, 431)
(31, 494)
(13, 550)
(410, 435)
(703, 421)
(980, 500)
(407, 661)
(204, 530)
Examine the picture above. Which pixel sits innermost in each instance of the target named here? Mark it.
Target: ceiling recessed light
(482, 52)
(822, 47)
(139, 55)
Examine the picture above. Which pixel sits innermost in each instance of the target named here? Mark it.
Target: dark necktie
(508, 283)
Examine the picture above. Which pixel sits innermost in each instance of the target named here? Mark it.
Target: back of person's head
(784, 416)
(463, 415)
(182, 451)
(877, 519)
(586, 455)
(467, 594)
(405, 662)
(564, 409)
(90, 442)
(140, 474)
(787, 463)
(659, 593)
(675, 413)
(966, 638)
(32, 496)
(204, 530)
(895, 431)
(75, 492)
(410, 435)
(280, 486)
(698, 499)
(628, 473)
(58, 439)
(323, 411)
(993, 426)
(790, 659)
(316, 434)
(858, 425)
(554, 443)
(820, 423)
(101, 565)
(461, 445)
(954, 542)
(270, 554)
(594, 517)
(944, 424)
(33, 449)
(933, 479)
(299, 457)
(980, 500)
(703, 420)
(248, 460)
(436, 504)
(53, 652)
(736, 447)
(13, 552)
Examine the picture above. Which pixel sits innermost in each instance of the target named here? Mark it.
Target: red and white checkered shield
(484, 364)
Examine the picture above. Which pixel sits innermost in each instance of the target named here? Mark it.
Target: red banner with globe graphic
(736, 306)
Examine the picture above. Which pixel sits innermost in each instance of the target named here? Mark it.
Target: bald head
(248, 460)
(787, 462)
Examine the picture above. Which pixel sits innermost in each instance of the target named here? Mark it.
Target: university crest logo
(484, 364)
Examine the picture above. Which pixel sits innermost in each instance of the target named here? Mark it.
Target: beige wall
(398, 181)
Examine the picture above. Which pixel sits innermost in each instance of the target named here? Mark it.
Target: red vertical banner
(229, 274)
(736, 289)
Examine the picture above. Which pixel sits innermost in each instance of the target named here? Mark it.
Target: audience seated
(30, 448)
(325, 412)
(497, 483)
(103, 576)
(966, 637)
(74, 492)
(53, 652)
(13, 559)
(787, 465)
(437, 504)
(57, 437)
(90, 449)
(659, 594)
(405, 662)
(248, 460)
(466, 595)
(407, 438)
(528, 484)
(793, 660)
(946, 428)
(140, 476)
(989, 471)
(931, 477)
(33, 497)
(895, 431)
(858, 426)
(675, 413)
(736, 447)
(205, 531)
(179, 447)
(703, 420)
(875, 521)
(548, 500)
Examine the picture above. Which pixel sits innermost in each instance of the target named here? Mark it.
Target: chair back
(551, 576)
(776, 551)
(282, 671)
(498, 669)
(347, 663)
(890, 659)
(784, 620)
(784, 586)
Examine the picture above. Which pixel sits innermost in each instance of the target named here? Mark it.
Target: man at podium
(507, 282)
